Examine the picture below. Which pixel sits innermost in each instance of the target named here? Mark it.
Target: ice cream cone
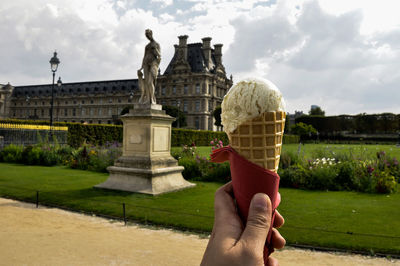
(259, 140)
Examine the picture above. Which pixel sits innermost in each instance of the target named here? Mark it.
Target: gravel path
(47, 236)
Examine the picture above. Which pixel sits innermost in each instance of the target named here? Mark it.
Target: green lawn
(349, 220)
(316, 150)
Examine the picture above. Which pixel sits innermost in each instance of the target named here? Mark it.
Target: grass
(348, 220)
(320, 150)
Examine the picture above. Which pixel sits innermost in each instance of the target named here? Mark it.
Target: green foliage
(303, 130)
(199, 137)
(178, 114)
(96, 135)
(316, 111)
(290, 139)
(351, 172)
(217, 116)
(191, 170)
(11, 154)
(332, 127)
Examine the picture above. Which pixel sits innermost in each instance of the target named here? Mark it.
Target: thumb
(258, 222)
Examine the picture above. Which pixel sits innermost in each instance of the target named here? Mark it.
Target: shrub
(12, 154)
(295, 176)
(32, 155)
(345, 177)
(191, 170)
(287, 159)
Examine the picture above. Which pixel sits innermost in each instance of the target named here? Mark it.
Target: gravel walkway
(47, 236)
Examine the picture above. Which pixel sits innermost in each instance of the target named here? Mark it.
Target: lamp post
(54, 61)
(59, 83)
(179, 109)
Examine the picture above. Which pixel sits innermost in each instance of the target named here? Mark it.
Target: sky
(342, 55)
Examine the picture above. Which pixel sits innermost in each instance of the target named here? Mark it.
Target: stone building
(195, 81)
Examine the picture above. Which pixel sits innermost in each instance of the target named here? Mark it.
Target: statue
(150, 67)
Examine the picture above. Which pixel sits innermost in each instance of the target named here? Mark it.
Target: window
(83, 102)
(99, 121)
(100, 101)
(210, 106)
(91, 111)
(99, 111)
(197, 123)
(197, 88)
(91, 101)
(110, 100)
(42, 111)
(174, 90)
(185, 89)
(109, 111)
(163, 103)
(163, 91)
(74, 102)
(173, 103)
(209, 89)
(74, 112)
(65, 112)
(197, 108)
(83, 112)
(119, 100)
(185, 106)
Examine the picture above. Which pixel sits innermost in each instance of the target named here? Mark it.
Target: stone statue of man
(150, 64)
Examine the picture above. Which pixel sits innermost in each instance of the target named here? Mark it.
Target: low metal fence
(21, 134)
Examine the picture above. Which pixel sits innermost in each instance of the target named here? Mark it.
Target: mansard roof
(124, 86)
(195, 58)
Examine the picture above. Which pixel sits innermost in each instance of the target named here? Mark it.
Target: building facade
(195, 82)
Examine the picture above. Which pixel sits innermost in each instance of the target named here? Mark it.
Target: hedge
(97, 134)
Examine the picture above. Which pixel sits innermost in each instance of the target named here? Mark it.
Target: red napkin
(249, 179)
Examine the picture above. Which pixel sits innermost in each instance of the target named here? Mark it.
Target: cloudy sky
(343, 55)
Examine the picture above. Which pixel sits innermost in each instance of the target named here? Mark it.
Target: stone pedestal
(146, 164)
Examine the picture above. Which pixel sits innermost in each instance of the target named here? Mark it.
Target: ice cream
(248, 99)
(253, 116)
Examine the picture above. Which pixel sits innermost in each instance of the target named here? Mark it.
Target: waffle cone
(259, 140)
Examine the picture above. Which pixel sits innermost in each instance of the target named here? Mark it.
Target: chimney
(218, 53)
(207, 50)
(183, 45)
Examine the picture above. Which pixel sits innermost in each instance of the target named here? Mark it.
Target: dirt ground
(46, 236)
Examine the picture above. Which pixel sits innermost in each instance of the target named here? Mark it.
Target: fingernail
(260, 201)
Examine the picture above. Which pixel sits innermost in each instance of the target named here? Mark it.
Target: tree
(217, 116)
(316, 111)
(178, 114)
(125, 110)
(303, 130)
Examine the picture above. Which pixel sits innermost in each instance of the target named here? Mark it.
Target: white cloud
(341, 55)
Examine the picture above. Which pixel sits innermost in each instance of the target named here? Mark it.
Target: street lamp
(179, 109)
(59, 83)
(54, 61)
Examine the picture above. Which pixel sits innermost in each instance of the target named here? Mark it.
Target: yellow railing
(32, 127)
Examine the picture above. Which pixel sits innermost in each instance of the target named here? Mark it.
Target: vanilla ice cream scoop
(248, 99)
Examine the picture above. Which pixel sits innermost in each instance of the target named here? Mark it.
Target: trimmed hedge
(199, 137)
(97, 134)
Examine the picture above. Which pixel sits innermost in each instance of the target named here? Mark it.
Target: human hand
(232, 244)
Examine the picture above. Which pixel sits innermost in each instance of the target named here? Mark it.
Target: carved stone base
(154, 182)
(146, 164)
